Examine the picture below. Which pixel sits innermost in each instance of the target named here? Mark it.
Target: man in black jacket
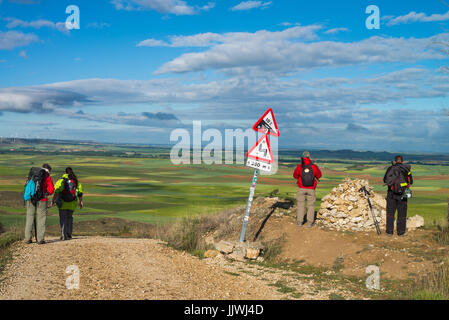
(398, 178)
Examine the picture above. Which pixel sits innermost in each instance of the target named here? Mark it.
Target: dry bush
(432, 286)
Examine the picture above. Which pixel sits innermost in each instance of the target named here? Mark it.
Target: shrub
(432, 286)
(442, 235)
(272, 249)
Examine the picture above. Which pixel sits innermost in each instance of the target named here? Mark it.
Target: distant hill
(162, 151)
(366, 155)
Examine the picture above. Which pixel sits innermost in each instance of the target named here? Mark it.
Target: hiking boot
(42, 242)
(311, 225)
(389, 234)
(299, 225)
(402, 234)
(29, 241)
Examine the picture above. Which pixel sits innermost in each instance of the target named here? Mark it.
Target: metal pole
(248, 206)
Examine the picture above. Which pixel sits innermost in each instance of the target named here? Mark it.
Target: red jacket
(298, 171)
(48, 187)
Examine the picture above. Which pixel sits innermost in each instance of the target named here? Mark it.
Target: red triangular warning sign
(261, 150)
(267, 124)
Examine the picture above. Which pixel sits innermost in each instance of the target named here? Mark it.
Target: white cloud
(97, 25)
(212, 39)
(36, 24)
(324, 95)
(287, 51)
(248, 5)
(177, 7)
(416, 17)
(336, 30)
(13, 39)
(198, 40)
(207, 7)
(152, 43)
(333, 105)
(289, 24)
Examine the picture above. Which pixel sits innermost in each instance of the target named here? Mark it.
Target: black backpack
(397, 179)
(69, 192)
(307, 176)
(38, 176)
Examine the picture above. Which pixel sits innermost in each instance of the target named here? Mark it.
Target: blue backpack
(35, 185)
(30, 190)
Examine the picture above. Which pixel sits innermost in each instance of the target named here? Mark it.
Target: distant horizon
(298, 149)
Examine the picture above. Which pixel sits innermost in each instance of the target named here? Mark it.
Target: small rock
(224, 246)
(211, 253)
(415, 222)
(252, 253)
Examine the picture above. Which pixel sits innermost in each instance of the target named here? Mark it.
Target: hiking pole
(367, 194)
(248, 205)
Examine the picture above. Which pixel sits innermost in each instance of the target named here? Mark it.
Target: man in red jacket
(40, 210)
(307, 174)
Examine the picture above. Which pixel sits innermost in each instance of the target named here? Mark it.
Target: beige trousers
(40, 213)
(301, 197)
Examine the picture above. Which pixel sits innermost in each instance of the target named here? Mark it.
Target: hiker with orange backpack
(37, 189)
(307, 174)
(68, 194)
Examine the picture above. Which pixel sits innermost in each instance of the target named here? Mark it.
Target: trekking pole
(248, 205)
(367, 194)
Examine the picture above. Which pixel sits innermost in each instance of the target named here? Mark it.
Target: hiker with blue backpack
(68, 194)
(398, 178)
(37, 189)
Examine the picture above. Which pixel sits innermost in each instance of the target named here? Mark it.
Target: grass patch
(334, 296)
(442, 235)
(6, 240)
(232, 273)
(282, 287)
(338, 264)
(272, 249)
(432, 286)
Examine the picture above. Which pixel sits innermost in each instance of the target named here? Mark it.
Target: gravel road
(116, 268)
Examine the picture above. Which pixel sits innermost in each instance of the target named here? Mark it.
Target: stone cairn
(345, 208)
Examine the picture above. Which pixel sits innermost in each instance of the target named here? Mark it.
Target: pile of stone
(236, 250)
(345, 208)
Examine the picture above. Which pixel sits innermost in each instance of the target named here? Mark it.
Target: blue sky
(138, 69)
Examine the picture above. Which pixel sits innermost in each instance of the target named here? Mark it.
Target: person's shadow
(284, 205)
(58, 240)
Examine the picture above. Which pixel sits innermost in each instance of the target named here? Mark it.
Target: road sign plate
(258, 165)
(261, 151)
(267, 124)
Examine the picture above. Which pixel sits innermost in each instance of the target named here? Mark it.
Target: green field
(147, 187)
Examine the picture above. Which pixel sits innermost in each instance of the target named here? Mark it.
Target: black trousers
(66, 223)
(401, 206)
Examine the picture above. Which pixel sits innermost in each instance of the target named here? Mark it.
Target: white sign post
(259, 157)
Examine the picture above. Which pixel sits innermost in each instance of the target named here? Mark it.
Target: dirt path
(115, 268)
